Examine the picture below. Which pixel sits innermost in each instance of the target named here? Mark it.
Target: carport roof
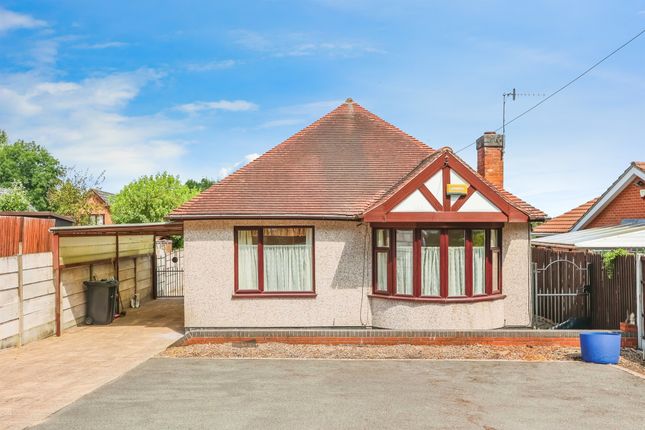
(156, 228)
(628, 235)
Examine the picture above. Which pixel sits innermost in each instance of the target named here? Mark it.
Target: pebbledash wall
(343, 281)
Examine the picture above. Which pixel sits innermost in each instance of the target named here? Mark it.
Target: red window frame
(260, 291)
(491, 291)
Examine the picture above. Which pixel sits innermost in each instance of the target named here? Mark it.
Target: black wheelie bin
(101, 299)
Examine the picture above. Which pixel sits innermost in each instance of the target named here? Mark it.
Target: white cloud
(103, 45)
(84, 124)
(211, 66)
(251, 157)
(281, 122)
(227, 170)
(44, 53)
(300, 45)
(227, 105)
(13, 20)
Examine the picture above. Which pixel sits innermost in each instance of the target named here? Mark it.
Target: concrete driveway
(306, 394)
(40, 378)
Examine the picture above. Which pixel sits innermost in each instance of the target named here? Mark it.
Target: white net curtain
(287, 260)
(429, 271)
(430, 258)
(247, 260)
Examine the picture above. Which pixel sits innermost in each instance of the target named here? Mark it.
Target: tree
(201, 185)
(71, 196)
(31, 165)
(149, 199)
(15, 199)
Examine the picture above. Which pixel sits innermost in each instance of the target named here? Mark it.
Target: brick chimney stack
(490, 157)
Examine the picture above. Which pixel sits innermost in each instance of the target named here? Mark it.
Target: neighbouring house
(100, 201)
(622, 202)
(352, 222)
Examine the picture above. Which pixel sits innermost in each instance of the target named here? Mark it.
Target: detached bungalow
(352, 222)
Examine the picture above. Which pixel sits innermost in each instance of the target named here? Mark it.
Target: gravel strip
(630, 359)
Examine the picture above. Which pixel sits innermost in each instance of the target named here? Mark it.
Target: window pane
(430, 285)
(479, 261)
(456, 263)
(494, 239)
(404, 240)
(288, 259)
(381, 271)
(247, 260)
(382, 238)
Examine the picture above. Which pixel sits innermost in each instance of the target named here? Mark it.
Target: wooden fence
(575, 284)
(32, 232)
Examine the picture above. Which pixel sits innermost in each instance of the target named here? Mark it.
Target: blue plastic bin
(600, 347)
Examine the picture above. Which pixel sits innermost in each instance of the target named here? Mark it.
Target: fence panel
(36, 236)
(10, 234)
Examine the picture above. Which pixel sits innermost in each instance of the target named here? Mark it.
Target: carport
(128, 253)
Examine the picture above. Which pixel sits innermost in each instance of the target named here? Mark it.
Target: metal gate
(561, 291)
(170, 272)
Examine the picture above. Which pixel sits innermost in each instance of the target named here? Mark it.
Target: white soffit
(415, 202)
(435, 185)
(478, 203)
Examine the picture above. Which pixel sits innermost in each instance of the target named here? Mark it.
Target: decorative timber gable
(426, 196)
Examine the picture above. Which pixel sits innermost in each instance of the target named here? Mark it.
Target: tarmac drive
(380, 394)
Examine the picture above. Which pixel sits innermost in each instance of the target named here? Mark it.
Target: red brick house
(100, 202)
(624, 200)
(352, 222)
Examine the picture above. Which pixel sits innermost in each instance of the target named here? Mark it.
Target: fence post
(589, 287)
(640, 313)
(534, 311)
(21, 292)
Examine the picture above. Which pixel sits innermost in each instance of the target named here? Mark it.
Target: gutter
(264, 216)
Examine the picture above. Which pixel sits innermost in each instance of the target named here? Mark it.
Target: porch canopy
(629, 235)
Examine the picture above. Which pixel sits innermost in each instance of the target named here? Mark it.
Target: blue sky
(198, 88)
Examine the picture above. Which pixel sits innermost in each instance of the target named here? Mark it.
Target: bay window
(437, 263)
(274, 260)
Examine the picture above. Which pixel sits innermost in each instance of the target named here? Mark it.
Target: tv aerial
(514, 94)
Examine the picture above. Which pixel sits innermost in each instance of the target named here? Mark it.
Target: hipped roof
(337, 168)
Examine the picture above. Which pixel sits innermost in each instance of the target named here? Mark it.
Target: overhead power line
(596, 64)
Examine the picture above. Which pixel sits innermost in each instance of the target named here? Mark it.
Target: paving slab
(43, 376)
(366, 394)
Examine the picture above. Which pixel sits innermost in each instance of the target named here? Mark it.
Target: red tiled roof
(639, 164)
(563, 223)
(337, 167)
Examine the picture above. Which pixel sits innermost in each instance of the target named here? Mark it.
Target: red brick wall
(627, 205)
(490, 164)
(99, 208)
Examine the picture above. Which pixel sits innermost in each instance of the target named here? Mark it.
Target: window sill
(309, 295)
(440, 299)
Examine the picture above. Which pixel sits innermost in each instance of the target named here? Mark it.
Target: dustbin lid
(102, 283)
